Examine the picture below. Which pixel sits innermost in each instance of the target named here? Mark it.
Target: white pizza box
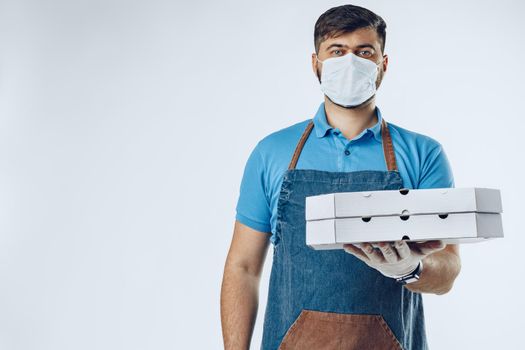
(451, 228)
(403, 202)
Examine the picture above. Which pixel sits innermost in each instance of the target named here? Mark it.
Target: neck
(350, 121)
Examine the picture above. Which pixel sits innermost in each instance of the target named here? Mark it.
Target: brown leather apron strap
(300, 145)
(388, 148)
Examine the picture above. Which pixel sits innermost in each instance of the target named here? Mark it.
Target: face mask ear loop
(318, 60)
(382, 61)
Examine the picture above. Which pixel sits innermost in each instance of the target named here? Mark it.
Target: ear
(385, 62)
(315, 65)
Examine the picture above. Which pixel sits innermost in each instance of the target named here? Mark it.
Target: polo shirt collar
(322, 127)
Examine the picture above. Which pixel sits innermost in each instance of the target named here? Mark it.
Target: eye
(365, 53)
(337, 52)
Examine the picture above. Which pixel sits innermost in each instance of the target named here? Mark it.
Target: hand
(394, 259)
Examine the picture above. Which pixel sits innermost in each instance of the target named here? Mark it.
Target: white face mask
(348, 80)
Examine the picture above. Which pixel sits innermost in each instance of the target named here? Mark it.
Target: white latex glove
(394, 259)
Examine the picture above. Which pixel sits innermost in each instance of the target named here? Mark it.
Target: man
(366, 296)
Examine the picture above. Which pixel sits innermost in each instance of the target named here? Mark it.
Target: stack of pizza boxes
(454, 215)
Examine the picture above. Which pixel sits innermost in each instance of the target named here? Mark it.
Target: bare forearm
(440, 269)
(239, 303)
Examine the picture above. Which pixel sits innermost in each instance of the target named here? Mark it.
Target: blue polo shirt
(421, 161)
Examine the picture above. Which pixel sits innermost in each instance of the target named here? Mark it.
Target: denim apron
(329, 299)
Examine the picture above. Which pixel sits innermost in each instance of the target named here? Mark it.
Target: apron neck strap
(300, 145)
(388, 148)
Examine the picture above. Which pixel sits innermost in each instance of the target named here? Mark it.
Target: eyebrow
(346, 46)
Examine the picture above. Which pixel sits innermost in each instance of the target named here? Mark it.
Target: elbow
(444, 290)
(454, 273)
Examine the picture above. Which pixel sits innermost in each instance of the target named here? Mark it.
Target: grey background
(125, 127)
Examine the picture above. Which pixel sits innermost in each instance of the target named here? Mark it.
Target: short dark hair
(345, 19)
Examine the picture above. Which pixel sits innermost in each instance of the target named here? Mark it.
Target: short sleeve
(436, 171)
(253, 208)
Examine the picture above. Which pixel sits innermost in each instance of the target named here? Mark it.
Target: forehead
(353, 39)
